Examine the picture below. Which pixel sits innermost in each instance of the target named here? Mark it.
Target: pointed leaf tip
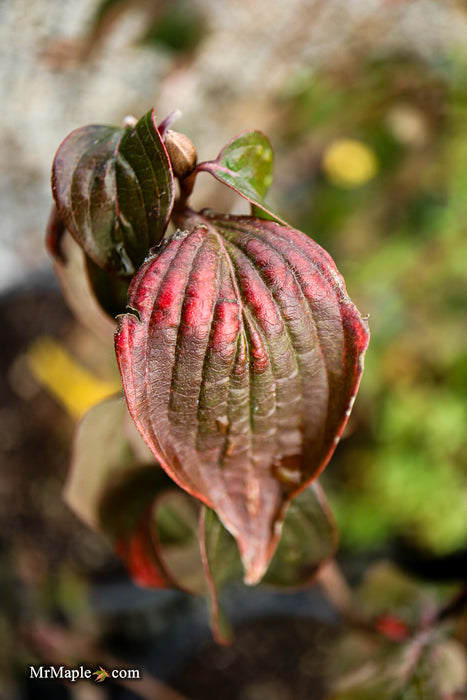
(309, 538)
(245, 164)
(241, 369)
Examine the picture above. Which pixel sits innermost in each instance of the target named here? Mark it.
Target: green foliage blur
(396, 227)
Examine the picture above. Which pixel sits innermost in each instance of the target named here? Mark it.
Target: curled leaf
(94, 295)
(245, 165)
(152, 524)
(82, 294)
(240, 364)
(157, 538)
(102, 438)
(114, 191)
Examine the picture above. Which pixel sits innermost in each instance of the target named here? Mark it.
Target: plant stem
(186, 188)
(338, 592)
(454, 607)
(333, 583)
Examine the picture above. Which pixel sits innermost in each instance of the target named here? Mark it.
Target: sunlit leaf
(100, 440)
(240, 362)
(245, 164)
(114, 191)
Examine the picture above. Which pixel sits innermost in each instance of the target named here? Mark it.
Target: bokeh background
(365, 102)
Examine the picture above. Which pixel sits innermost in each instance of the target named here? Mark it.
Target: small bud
(182, 153)
(129, 120)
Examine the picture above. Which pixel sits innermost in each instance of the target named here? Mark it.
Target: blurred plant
(417, 654)
(206, 300)
(175, 26)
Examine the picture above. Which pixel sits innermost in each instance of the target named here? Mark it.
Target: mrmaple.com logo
(81, 673)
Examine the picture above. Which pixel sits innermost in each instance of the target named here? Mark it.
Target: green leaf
(261, 213)
(222, 565)
(176, 520)
(180, 27)
(114, 190)
(308, 539)
(109, 290)
(245, 165)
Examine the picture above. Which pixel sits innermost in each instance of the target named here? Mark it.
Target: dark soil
(271, 659)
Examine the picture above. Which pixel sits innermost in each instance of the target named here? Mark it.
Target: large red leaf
(240, 365)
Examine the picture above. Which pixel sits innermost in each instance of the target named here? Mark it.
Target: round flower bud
(182, 153)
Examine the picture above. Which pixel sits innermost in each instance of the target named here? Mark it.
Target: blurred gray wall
(251, 52)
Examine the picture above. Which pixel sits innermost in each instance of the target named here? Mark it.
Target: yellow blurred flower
(349, 163)
(69, 382)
